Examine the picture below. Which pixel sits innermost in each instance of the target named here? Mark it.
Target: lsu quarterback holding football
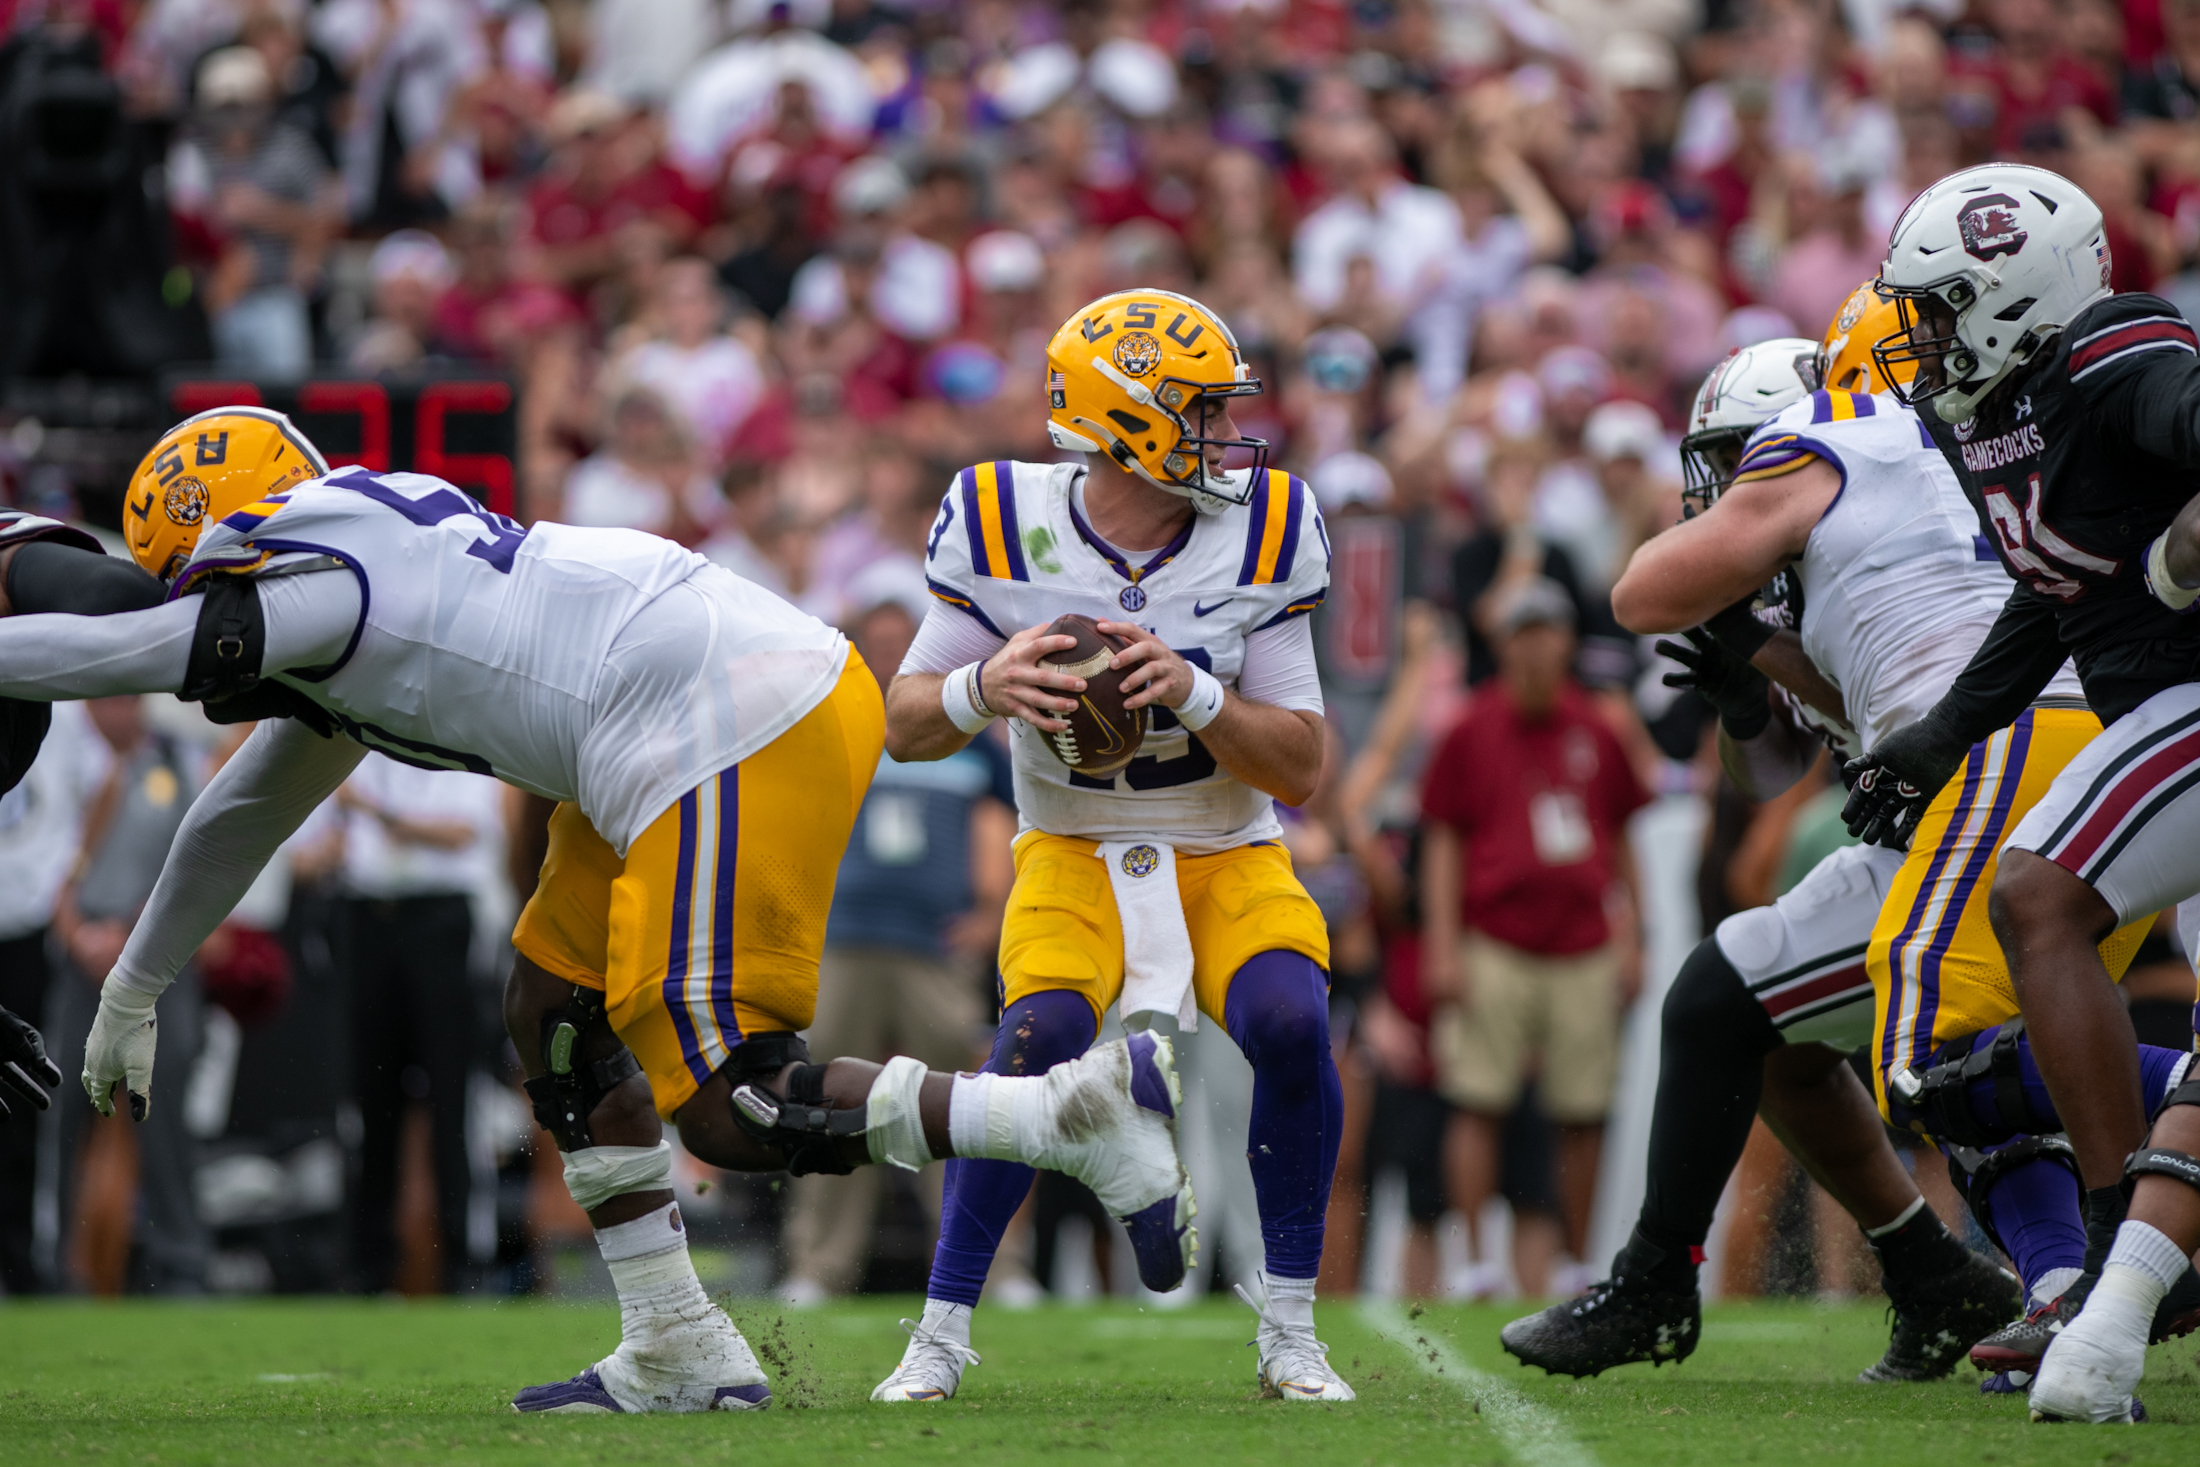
(1162, 886)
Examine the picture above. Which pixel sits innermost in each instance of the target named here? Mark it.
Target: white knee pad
(596, 1174)
(893, 1128)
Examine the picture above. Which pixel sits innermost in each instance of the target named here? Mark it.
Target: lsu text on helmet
(206, 467)
(1985, 268)
(1747, 389)
(1846, 359)
(1143, 376)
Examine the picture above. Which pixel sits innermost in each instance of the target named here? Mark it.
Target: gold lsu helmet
(1845, 361)
(206, 467)
(1141, 375)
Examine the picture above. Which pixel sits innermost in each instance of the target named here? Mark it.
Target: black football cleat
(2019, 1346)
(1939, 1317)
(1619, 1321)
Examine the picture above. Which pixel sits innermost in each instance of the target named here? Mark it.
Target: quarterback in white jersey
(708, 746)
(1162, 887)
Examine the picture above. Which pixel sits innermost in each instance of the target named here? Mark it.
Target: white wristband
(2161, 582)
(1200, 708)
(959, 697)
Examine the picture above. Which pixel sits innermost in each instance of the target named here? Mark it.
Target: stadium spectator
(1529, 905)
(417, 845)
(256, 192)
(144, 1236)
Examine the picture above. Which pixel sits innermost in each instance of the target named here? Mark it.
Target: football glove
(25, 1072)
(1728, 683)
(1891, 784)
(121, 1048)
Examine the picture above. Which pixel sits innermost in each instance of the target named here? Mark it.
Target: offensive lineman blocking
(709, 746)
(1163, 886)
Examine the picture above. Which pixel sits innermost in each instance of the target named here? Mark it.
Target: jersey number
(438, 505)
(2028, 544)
(1152, 772)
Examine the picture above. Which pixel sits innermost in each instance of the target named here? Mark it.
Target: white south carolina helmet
(2011, 253)
(1749, 388)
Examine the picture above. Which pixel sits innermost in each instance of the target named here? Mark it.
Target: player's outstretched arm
(1705, 564)
(252, 806)
(1275, 750)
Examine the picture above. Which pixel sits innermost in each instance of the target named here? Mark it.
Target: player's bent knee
(1278, 1009)
(1709, 1000)
(2032, 894)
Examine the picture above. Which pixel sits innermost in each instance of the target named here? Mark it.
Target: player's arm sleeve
(957, 631)
(50, 576)
(310, 620)
(949, 639)
(2021, 654)
(251, 807)
(2137, 362)
(1279, 667)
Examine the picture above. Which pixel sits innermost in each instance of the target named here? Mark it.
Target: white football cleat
(1294, 1366)
(2089, 1371)
(931, 1368)
(1112, 1111)
(701, 1364)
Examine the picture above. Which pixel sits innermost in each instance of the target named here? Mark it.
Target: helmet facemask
(1709, 461)
(1931, 341)
(1194, 410)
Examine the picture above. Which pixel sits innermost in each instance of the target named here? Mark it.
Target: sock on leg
(676, 1347)
(1291, 1301)
(2035, 1210)
(1714, 1039)
(1037, 1033)
(1916, 1244)
(2141, 1266)
(1278, 1012)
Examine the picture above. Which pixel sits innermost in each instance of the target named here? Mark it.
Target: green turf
(317, 1382)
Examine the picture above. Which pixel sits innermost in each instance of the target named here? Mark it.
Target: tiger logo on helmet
(1845, 359)
(204, 469)
(1143, 376)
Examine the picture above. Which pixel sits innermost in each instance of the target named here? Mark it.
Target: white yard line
(1532, 1435)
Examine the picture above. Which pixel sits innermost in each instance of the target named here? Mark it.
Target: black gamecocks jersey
(2073, 470)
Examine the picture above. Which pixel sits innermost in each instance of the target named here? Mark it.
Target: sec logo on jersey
(1131, 598)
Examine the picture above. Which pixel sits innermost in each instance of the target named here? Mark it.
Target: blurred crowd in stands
(767, 272)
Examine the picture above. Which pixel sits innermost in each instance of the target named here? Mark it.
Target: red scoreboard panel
(464, 430)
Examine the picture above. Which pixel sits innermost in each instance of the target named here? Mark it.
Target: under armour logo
(2024, 407)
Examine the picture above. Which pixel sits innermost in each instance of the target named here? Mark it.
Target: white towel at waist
(1157, 946)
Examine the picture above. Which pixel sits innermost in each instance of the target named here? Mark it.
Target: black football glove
(1728, 683)
(1891, 784)
(24, 1069)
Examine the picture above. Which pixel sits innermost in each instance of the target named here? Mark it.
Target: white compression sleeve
(1279, 666)
(949, 639)
(260, 796)
(310, 619)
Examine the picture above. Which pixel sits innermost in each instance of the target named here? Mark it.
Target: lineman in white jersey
(1841, 491)
(708, 745)
(1163, 886)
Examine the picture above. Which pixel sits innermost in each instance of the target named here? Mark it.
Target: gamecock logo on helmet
(1137, 353)
(1989, 227)
(186, 501)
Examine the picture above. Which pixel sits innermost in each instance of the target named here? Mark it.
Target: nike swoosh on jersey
(1199, 610)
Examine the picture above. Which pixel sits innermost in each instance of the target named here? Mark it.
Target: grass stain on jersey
(1039, 548)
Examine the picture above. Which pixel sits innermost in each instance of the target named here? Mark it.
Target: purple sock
(1278, 1012)
(2036, 1209)
(1037, 1033)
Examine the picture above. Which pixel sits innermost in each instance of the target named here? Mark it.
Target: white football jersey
(1010, 549)
(1898, 586)
(606, 667)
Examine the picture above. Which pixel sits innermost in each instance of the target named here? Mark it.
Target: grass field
(323, 1383)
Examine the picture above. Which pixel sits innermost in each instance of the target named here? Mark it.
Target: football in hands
(1102, 735)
